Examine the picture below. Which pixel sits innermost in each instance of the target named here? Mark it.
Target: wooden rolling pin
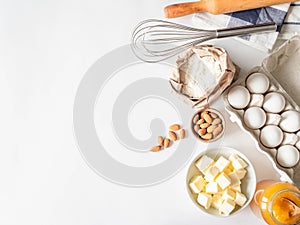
(218, 6)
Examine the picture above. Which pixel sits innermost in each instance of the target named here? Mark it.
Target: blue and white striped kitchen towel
(285, 15)
(291, 24)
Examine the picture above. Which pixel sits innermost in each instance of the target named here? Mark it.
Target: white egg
(290, 121)
(255, 117)
(274, 102)
(287, 156)
(238, 97)
(271, 136)
(257, 83)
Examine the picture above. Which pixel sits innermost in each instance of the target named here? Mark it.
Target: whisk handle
(244, 30)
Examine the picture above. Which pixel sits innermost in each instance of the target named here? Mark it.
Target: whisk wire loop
(155, 40)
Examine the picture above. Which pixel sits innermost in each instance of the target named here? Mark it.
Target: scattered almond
(175, 127)
(173, 135)
(156, 148)
(160, 140)
(182, 134)
(166, 142)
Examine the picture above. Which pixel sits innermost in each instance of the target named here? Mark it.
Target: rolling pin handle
(183, 9)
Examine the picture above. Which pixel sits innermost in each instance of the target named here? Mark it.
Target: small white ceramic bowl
(220, 116)
(248, 184)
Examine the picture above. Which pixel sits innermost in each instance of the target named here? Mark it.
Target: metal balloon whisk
(156, 40)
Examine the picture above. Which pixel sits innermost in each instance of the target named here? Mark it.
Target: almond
(182, 134)
(213, 115)
(172, 135)
(166, 142)
(156, 148)
(175, 127)
(211, 128)
(196, 127)
(203, 113)
(160, 140)
(216, 121)
(200, 121)
(196, 118)
(207, 118)
(204, 125)
(202, 131)
(207, 136)
(218, 130)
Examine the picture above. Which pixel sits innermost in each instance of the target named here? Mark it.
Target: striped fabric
(291, 24)
(287, 17)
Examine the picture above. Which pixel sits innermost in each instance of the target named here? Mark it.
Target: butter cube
(197, 184)
(216, 201)
(229, 168)
(240, 199)
(236, 188)
(227, 207)
(223, 180)
(241, 173)
(228, 194)
(234, 178)
(211, 173)
(212, 188)
(203, 163)
(221, 163)
(204, 199)
(227, 171)
(237, 162)
(232, 157)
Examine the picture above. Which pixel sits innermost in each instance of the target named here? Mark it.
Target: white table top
(46, 48)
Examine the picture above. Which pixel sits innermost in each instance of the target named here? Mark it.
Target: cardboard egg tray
(282, 68)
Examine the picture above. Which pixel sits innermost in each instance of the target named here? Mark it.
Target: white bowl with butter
(221, 181)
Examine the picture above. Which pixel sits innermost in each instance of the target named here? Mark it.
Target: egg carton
(282, 69)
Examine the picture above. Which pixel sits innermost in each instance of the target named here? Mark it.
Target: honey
(274, 209)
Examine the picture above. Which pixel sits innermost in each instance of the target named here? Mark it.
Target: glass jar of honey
(272, 199)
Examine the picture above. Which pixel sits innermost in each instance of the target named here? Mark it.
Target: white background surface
(45, 49)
